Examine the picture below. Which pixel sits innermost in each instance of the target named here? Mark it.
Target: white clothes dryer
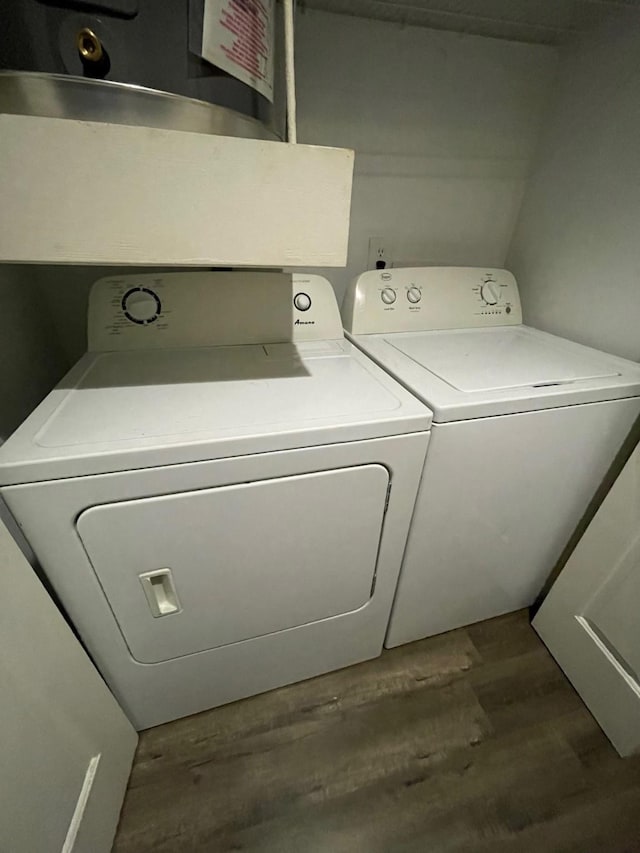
(220, 490)
(525, 427)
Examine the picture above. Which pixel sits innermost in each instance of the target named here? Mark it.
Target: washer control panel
(195, 309)
(430, 298)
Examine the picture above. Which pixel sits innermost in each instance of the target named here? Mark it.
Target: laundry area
(318, 438)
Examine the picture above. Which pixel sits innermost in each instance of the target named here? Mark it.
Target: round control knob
(302, 301)
(141, 305)
(414, 295)
(388, 296)
(490, 292)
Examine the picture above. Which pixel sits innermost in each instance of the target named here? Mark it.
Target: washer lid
(476, 373)
(503, 358)
(138, 409)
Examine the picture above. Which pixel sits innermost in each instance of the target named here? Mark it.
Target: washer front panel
(499, 500)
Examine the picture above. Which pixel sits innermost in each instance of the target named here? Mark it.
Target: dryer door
(198, 570)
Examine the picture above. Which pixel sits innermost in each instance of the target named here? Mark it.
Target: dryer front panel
(197, 570)
(227, 548)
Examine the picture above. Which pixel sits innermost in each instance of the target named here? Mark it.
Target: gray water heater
(148, 43)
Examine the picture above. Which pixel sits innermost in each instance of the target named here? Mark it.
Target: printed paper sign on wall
(237, 36)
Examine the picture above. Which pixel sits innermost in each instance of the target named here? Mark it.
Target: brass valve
(89, 45)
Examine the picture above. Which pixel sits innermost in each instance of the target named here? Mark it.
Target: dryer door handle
(160, 591)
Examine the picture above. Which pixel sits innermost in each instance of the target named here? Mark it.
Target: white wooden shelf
(89, 192)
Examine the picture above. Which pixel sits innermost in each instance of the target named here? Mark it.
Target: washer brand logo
(304, 323)
(386, 276)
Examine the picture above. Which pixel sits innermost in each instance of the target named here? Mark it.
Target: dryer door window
(197, 570)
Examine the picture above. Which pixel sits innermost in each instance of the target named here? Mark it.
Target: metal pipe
(290, 74)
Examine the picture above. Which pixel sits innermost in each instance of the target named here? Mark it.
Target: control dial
(490, 292)
(302, 301)
(414, 295)
(388, 296)
(141, 305)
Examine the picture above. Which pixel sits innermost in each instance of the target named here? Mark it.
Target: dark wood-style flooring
(470, 741)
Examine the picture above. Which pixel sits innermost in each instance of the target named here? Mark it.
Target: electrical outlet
(380, 253)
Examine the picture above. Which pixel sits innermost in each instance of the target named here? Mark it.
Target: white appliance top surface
(481, 372)
(126, 396)
(502, 358)
(186, 367)
(121, 410)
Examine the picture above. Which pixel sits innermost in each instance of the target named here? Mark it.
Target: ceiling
(534, 21)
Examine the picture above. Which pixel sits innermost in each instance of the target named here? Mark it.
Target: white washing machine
(525, 427)
(220, 490)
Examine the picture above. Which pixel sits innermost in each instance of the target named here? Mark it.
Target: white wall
(576, 249)
(30, 359)
(444, 127)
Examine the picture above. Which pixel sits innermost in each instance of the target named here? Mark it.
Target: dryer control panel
(429, 298)
(200, 309)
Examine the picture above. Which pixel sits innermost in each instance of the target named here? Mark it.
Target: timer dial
(388, 296)
(141, 305)
(490, 292)
(302, 301)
